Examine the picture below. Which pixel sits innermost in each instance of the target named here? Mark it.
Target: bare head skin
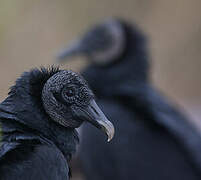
(68, 100)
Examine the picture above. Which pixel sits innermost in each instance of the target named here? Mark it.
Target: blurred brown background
(32, 32)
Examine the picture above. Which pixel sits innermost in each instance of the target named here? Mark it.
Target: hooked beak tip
(109, 138)
(108, 128)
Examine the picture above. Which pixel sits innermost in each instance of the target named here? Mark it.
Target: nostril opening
(94, 109)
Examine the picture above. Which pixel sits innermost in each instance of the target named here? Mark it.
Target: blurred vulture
(153, 139)
(38, 121)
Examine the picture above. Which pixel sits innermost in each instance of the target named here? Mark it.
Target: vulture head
(68, 101)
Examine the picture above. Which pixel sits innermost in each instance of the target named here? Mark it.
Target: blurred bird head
(102, 44)
(118, 54)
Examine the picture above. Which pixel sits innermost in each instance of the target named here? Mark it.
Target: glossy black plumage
(37, 143)
(153, 139)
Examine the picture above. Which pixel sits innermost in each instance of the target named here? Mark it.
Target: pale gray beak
(73, 50)
(93, 114)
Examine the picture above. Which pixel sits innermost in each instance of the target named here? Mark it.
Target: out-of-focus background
(32, 32)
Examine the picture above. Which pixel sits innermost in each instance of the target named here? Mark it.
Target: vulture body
(38, 121)
(153, 139)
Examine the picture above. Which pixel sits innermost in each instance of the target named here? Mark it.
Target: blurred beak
(75, 49)
(95, 116)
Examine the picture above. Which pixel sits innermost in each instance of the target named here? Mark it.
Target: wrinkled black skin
(33, 145)
(153, 140)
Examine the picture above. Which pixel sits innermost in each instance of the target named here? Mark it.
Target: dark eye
(70, 92)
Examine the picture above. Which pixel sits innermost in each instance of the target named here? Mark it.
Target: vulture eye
(70, 92)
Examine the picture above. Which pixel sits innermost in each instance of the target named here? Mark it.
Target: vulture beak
(96, 117)
(75, 49)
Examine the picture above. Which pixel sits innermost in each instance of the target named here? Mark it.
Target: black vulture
(38, 121)
(153, 140)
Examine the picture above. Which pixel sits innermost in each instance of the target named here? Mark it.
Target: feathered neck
(23, 117)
